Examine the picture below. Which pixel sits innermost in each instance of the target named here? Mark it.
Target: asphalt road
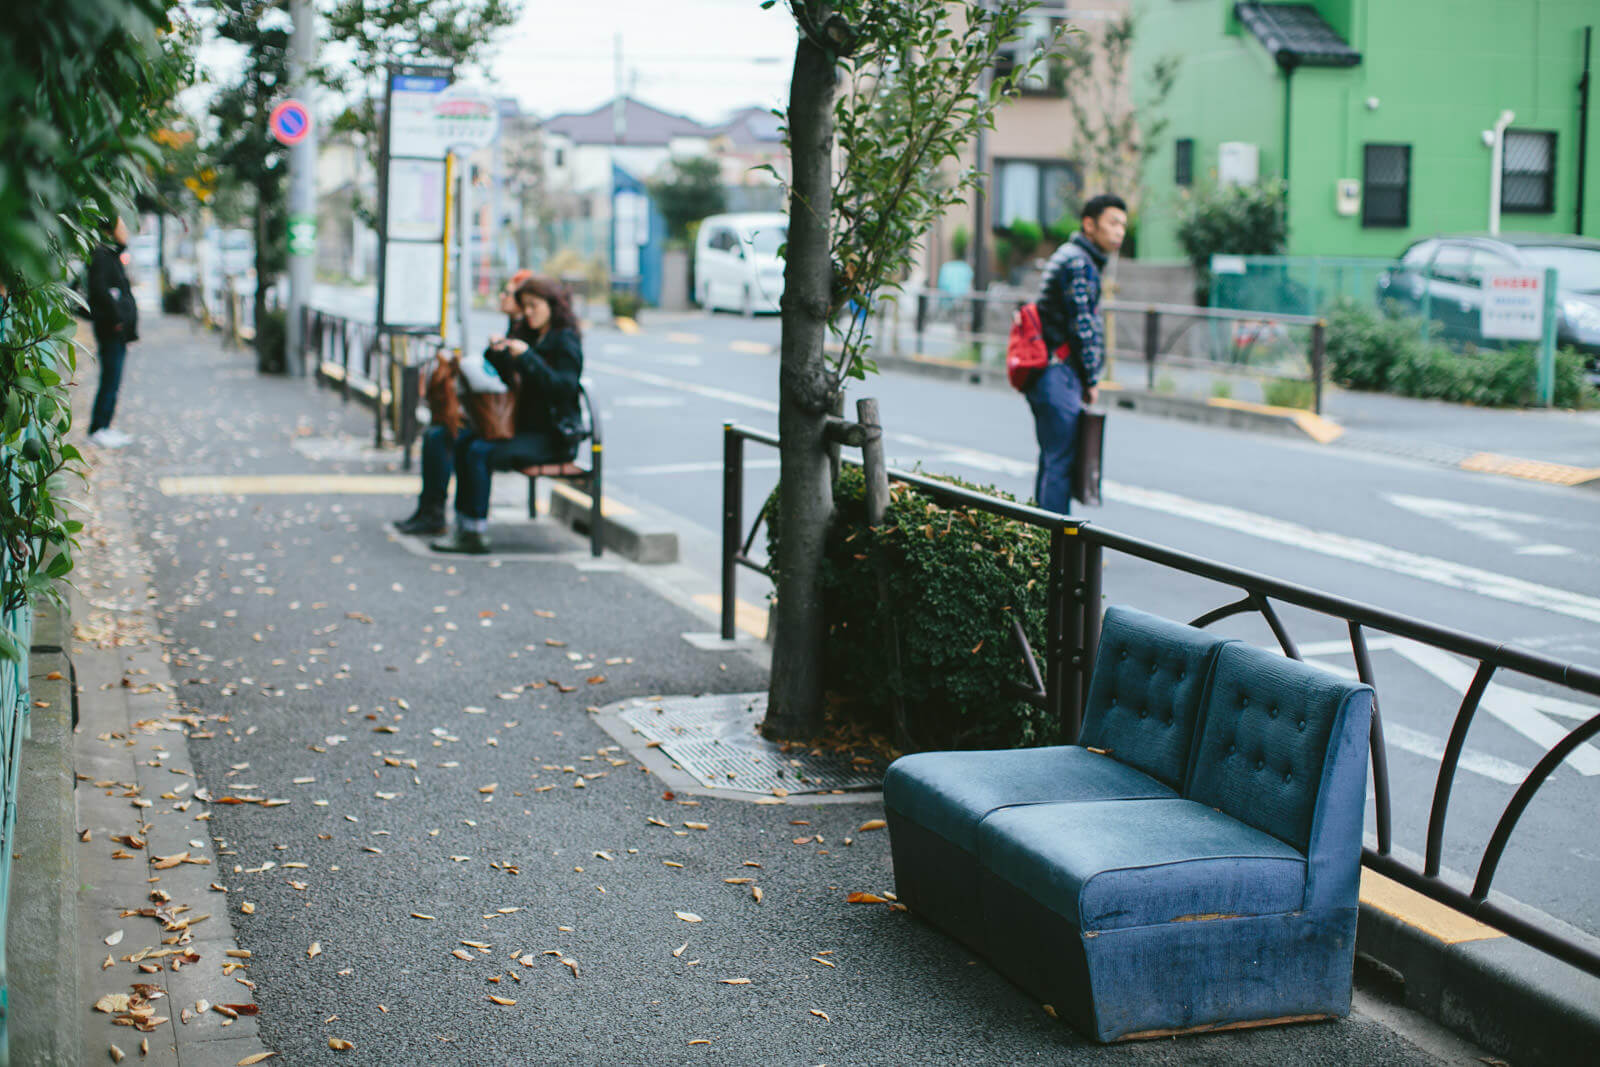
(1509, 560)
(457, 827)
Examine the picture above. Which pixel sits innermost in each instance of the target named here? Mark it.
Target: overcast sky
(702, 58)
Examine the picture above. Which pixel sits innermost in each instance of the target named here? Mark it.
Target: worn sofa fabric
(1141, 919)
(1142, 714)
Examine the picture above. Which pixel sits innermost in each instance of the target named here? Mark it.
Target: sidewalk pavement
(381, 777)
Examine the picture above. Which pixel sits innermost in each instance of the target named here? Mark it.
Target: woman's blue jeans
(477, 460)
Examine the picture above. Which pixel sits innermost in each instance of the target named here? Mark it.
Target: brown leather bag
(494, 415)
(1089, 455)
(444, 403)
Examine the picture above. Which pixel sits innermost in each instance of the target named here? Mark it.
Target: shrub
(960, 241)
(955, 579)
(625, 304)
(1289, 393)
(1222, 389)
(1025, 238)
(1233, 219)
(1363, 348)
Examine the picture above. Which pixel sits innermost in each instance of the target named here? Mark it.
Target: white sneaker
(110, 438)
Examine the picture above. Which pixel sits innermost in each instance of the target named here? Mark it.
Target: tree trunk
(794, 707)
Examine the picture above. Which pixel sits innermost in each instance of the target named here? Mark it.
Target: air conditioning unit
(1238, 163)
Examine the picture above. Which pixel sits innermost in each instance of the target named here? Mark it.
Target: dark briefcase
(1086, 461)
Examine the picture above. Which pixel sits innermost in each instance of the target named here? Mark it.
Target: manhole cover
(714, 739)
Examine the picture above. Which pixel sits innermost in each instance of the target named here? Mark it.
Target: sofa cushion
(1108, 865)
(950, 792)
(1145, 691)
(1265, 738)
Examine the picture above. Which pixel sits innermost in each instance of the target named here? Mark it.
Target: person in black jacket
(439, 444)
(115, 318)
(548, 422)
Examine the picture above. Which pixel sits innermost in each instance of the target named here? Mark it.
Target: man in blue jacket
(115, 317)
(1069, 312)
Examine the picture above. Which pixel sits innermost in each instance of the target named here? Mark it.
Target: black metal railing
(1072, 634)
(383, 370)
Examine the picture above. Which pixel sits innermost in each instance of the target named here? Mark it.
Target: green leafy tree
(690, 191)
(245, 149)
(898, 90)
(86, 82)
(1112, 121)
(1238, 220)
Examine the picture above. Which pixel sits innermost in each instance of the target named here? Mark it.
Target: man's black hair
(1096, 206)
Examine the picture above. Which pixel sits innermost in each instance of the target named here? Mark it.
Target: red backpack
(1025, 352)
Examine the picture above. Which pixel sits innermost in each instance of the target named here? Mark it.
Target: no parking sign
(289, 122)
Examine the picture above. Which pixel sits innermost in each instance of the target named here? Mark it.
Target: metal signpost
(1519, 305)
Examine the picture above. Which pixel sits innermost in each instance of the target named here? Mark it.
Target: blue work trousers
(477, 459)
(113, 351)
(1056, 397)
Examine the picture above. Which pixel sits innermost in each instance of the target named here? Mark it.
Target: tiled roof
(644, 125)
(1296, 35)
(752, 127)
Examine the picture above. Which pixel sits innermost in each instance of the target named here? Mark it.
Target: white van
(736, 262)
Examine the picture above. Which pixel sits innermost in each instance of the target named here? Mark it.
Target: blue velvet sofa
(1192, 864)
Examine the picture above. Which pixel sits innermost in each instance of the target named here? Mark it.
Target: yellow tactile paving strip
(290, 484)
(1439, 921)
(1531, 469)
(746, 616)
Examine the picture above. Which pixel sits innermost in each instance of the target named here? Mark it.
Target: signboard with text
(411, 267)
(1513, 305)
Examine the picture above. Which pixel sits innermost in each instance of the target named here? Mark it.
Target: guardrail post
(1152, 342)
(375, 375)
(922, 318)
(1319, 354)
(1093, 570)
(732, 521)
(1057, 639)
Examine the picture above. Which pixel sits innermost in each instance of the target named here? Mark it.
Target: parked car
(736, 262)
(1445, 275)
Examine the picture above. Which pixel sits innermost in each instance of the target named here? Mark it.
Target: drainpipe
(1583, 132)
(1496, 166)
(1288, 64)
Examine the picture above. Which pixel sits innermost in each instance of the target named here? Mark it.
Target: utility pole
(302, 183)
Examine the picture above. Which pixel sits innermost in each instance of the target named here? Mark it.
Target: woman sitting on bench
(544, 374)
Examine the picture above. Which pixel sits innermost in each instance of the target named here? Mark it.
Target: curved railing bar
(1278, 630)
(1447, 767)
(1238, 607)
(1520, 800)
(1532, 664)
(1380, 754)
(1027, 654)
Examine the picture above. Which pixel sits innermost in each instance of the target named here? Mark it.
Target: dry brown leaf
(490, 788)
(113, 938)
(572, 964)
(339, 1044)
(117, 1054)
(820, 1014)
(420, 915)
(461, 954)
(755, 891)
(503, 1001)
(699, 1041)
(1050, 1011)
(859, 897)
(238, 953)
(871, 824)
(315, 950)
(688, 916)
(671, 863)
(248, 908)
(825, 963)
(697, 826)
(250, 1061)
(738, 881)
(112, 1003)
(679, 950)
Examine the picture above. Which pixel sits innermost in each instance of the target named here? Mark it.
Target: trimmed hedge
(955, 579)
(1367, 350)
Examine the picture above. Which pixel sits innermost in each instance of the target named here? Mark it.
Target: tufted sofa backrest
(1145, 693)
(1271, 733)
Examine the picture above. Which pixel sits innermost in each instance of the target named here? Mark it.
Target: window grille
(1386, 185)
(1528, 172)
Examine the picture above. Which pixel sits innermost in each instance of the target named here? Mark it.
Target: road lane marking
(646, 400)
(1524, 712)
(684, 338)
(1545, 550)
(290, 484)
(708, 467)
(1351, 549)
(753, 348)
(1429, 747)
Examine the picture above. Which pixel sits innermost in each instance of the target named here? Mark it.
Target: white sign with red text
(1513, 305)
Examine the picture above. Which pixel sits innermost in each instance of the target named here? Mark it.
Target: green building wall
(1440, 72)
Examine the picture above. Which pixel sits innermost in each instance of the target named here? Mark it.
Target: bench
(1190, 865)
(586, 478)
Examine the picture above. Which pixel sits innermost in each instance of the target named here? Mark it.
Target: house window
(1036, 30)
(1183, 165)
(1528, 172)
(1038, 191)
(1386, 185)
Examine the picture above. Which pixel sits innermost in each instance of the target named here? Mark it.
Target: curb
(629, 533)
(1496, 991)
(42, 926)
(1235, 414)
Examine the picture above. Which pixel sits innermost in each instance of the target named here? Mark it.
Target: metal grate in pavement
(714, 739)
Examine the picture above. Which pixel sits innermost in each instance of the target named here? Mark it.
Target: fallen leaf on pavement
(1050, 1011)
(117, 1054)
(871, 824)
(825, 963)
(339, 1044)
(738, 881)
(864, 898)
(688, 916)
(734, 981)
(680, 949)
(315, 950)
(248, 908)
(755, 891)
(461, 954)
(820, 1014)
(114, 938)
(699, 1041)
(249, 1061)
(419, 915)
(503, 1001)
(696, 826)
